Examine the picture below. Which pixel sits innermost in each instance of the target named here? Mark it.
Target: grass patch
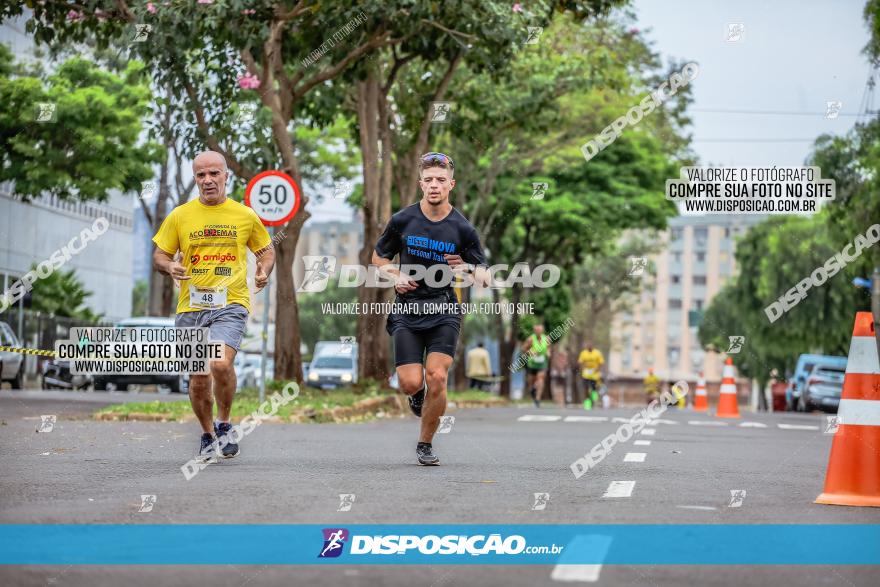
(317, 404)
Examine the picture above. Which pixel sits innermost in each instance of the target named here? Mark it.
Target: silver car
(823, 388)
(11, 364)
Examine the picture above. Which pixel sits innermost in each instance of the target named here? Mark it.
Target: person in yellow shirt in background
(591, 361)
(213, 234)
(652, 386)
(478, 366)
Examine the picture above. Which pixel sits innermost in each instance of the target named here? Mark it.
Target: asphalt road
(494, 461)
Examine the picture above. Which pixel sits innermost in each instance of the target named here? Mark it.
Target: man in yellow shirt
(652, 386)
(591, 361)
(213, 235)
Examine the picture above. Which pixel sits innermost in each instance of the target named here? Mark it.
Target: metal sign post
(275, 197)
(265, 331)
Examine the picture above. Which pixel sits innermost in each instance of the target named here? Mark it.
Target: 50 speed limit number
(274, 196)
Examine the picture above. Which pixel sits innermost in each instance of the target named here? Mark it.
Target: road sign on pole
(275, 197)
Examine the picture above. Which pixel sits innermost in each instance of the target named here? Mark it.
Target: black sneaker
(228, 449)
(535, 398)
(416, 401)
(426, 454)
(208, 449)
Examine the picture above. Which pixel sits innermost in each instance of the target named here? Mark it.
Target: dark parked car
(823, 388)
(175, 383)
(56, 375)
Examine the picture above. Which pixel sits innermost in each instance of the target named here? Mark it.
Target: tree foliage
(90, 145)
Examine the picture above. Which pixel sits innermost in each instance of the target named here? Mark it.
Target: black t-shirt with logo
(420, 241)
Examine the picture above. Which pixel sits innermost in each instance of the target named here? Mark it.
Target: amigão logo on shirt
(220, 258)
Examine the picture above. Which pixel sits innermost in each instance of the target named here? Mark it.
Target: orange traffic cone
(853, 476)
(701, 400)
(727, 406)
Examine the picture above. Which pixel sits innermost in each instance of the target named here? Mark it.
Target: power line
(777, 112)
(755, 140)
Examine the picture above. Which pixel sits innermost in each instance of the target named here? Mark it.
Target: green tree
(140, 297)
(773, 257)
(62, 294)
(90, 143)
(317, 325)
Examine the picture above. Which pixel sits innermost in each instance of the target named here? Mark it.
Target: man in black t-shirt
(434, 241)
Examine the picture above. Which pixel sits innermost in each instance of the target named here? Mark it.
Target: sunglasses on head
(438, 158)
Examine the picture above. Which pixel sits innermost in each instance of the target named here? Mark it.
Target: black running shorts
(412, 346)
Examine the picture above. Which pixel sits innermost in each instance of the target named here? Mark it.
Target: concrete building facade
(697, 259)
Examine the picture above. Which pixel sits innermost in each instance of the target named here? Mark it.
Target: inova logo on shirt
(429, 243)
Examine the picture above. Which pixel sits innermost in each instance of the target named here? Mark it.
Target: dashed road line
(582, 543)
(536, 418)
(634, 457)
(642, 443)
(648, 431)
(620, 489)
(797, 427)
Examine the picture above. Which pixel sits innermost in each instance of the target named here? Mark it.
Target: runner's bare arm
(404, 283)
(164, 263)
(481, 274)
(265, 264)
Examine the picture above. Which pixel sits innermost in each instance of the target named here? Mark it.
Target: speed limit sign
(274, 196)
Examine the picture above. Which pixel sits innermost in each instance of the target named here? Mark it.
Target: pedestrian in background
(558, 375)
(478, 367)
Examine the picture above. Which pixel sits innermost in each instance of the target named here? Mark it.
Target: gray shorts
(225, 324)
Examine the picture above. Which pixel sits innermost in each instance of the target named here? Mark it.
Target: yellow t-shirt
(590, 361)
(214, 242)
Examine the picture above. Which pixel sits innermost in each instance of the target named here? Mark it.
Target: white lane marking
(797, 427)
(585, 419)
(536, 418)
(697, 507)
(706, 423)
(662, 421)
(752, 425)
(642, 443)
(594, 544)
(620, 420)
(634, 457)
(620, 489)
(648, 431)
(859, 412)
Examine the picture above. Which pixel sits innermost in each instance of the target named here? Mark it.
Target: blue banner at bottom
(454, 544)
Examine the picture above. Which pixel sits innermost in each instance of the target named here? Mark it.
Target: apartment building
(661, 330)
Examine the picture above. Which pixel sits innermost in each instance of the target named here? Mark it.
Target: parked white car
(11, 364)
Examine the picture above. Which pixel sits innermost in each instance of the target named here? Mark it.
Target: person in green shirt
(537, 347)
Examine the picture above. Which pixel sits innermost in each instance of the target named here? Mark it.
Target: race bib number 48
(207, 298)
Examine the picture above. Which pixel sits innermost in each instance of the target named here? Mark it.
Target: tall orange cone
(853, 476)
(701, 400)
(727, 406)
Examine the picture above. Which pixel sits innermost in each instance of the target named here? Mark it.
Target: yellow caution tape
(15, 349)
